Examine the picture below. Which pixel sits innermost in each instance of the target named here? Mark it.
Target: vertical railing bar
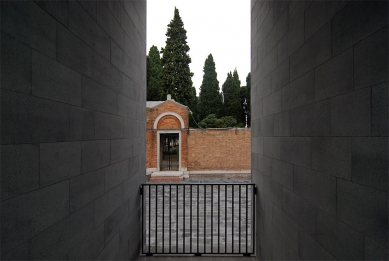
(156, 218)
(247, 232)
(190, 248)
(225, 219)
(232, 219)
(218, 219)
(177, 219)
(143, 217)
(205, 214)
(183, 244)
(211, 219)
(170, 219)
(253, 219)
(240, 236)
(149, 219)
(198, 202)
(163, 218)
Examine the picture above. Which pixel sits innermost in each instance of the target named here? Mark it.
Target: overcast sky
(220, 27)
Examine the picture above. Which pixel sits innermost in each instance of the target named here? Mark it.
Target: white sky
(220, 27)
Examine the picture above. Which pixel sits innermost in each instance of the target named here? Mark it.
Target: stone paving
(174, 225)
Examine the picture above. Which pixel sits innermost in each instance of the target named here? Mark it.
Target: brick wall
(219, 149)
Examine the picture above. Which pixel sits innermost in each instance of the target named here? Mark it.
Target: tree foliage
(245, 94)
(231, 95)
(176, 78)
(210, 100)
(154, 69)
(211, 121)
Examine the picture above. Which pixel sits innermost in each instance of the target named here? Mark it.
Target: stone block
(255, 128)
(374, 251)
(59, 161)
(316, 188)
(379, 110)
(115, 8)
(110, 25)
(127, 24)
(110, 250)
(300, 211)
(129, 231)
(340, 240)
(15, 65)
(27, 119)
(127, 107)
(54, 81)
(36, 29)
(369, 162)
(282, 124)
(257, 145)
(311, 120)
(20, 253)
(98, 97)
(95, 155)
(371, 59)
(116, 174)
(131, 128)
(132, 52)
(121, 149)
(86, 188)
(292, 40)
(296, 150)
(58, 240)
(134, 165)
(282, 173)
(299, 92)
(332, 156)
(357, 21)
(264, 87)
(89, 6)
(57, 9)
(132, 191)
(280, 76)
(364, 209)
(266, 126)
(74, 53)
(320, 13)
(19, 169)
(312, 53)
(272, 103)
(108, 126)
(278, 31)
(130, 88)
(287, 227)
(105, 205)
(268, 64)
(89, 247)
(122, 61)
(296, 11)
(82, 124)
(115, 221)
(29, 214)
(351, 114)
(310, 249)
(272, 147)
(273, 191)
(86, 28)
(335, 76)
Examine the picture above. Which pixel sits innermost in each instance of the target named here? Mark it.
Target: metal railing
(198, 218)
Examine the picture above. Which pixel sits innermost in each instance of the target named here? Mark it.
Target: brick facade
(224, 150)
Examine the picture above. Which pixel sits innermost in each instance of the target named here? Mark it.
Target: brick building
(174, 150)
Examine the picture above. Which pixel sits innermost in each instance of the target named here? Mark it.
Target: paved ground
(188, 228)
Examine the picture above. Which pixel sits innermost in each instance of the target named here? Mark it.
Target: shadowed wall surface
(73, 90)
(320, 128)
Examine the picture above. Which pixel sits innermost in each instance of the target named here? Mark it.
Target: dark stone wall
(320, 128)
(73, 96)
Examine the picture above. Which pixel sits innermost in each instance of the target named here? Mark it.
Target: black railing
(198, 218)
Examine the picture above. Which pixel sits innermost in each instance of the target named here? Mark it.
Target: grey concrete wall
(73, 96)
(320, 128)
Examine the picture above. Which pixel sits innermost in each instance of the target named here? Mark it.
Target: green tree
(210, 100)
(212, 122)
(176, 78)
(193, 106)
(245, 94)
(154, 69)
(231, 95)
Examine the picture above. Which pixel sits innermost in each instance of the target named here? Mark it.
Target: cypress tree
(154, 69)
(210, 100)
(176, 78)
(231, 95)
(245, 94)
